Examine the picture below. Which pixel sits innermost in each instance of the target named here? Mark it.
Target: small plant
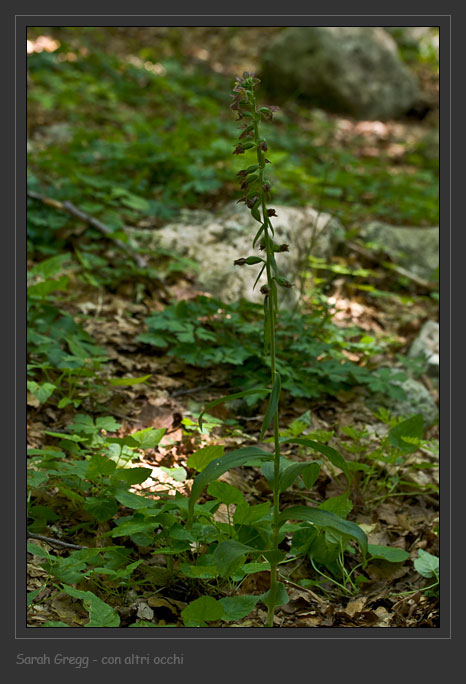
(281, 473)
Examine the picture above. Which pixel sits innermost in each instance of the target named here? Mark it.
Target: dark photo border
(197, 645)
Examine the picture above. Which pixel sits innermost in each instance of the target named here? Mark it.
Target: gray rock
(354, 70)
(416, 249)
(215, 241)
(426, 345)
(418, 400)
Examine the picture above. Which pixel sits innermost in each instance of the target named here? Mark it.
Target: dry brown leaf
(355, 606)
(144, 611)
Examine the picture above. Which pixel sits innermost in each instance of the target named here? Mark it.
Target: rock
(353, 70)
(426, 345)
(416, 249)
(215, 241)
(418, 400)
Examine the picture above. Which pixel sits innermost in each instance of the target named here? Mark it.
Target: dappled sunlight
(42, 43)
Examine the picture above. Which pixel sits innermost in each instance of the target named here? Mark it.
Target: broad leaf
(202, 457)
(412, 427)
(101, 509)
(308, 471)
(281, 596)
(426, 564)
(340, 505)
(133, 475)
(389, 553)
(225, 492)
(228, 555)
(100, 613)
(216, 468)
(247, 515)
(237, 607)
(203, 609)
(148, 438)
(332, 454)
(329, 521)
(126, 529)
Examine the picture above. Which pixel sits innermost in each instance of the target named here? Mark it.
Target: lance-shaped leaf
(258, 234)
(332, 454)
(230, 397)
(308, 471)
(255, 212)
(258, 277)
(212, 472)
(327, 520)
(273, 404)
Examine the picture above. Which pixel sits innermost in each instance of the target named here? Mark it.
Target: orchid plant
(280, 473)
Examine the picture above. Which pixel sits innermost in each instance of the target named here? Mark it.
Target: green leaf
(237, 607)
(37, 551)
(123, 382)
(230, 397)
(340, 505)
(251, 260)
(219, 466)
(135, 202)
(50, 267)
(203, 609)
(225, 492)
(281, 596)
(388, 553)
(178, 474)
(274, 556)
(229, 554)
(426, 564)
(310, 471)
(327, 520)
(412, 427)
(101, 509)
(100, 613)
(31, 595)
(247, 515)
(272, 406)
(148, 438)
(43, 391)
(107, 423)
(255, 211)
(62, 435)
(132, 475)
(100, 465)
(47, 287)
(332, 454)
(126, 529)
(55, 623)
(134, 501)
(202, 457)
(310, 474)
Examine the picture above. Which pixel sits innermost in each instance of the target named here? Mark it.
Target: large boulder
(215, 241)
(416, 249)
(353, 70)
(417, 399)
(426, 348)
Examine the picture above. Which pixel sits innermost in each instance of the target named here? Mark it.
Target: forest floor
(397, 506)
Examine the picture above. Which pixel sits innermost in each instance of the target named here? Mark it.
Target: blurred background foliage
(133, 124)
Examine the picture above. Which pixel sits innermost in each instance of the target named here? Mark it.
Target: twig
(78, 213)
(193, 390)
(367, 254)
(57, 542)
(297, 586)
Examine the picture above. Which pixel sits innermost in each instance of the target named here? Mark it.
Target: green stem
(272, 318)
